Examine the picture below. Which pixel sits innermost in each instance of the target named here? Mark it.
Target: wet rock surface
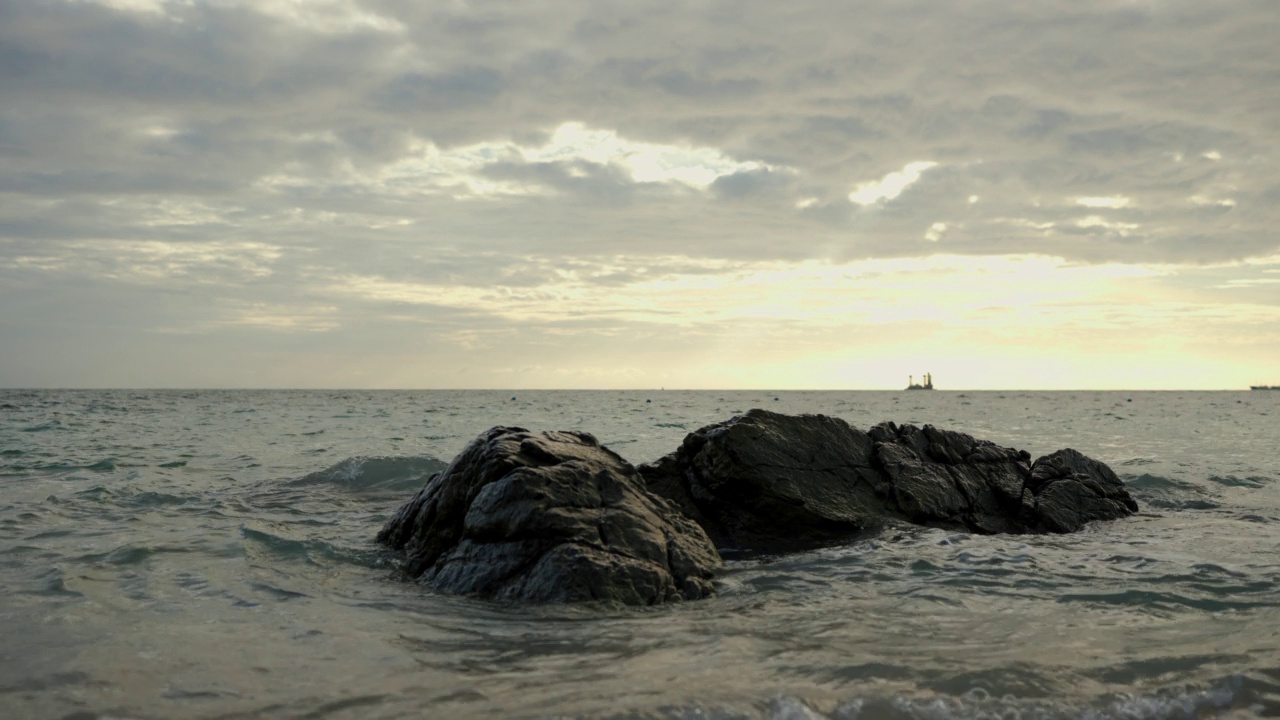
(1072, 490)
(765, 482)
(547, 518)
(556, 517)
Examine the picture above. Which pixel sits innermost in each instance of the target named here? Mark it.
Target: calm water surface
(168, 554)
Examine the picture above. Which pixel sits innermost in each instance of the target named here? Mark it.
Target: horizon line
(601, 389)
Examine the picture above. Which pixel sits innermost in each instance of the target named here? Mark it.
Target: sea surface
(210, 554)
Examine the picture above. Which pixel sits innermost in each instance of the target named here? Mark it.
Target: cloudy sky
(755, 194)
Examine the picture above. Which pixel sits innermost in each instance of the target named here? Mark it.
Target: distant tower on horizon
(928, 382)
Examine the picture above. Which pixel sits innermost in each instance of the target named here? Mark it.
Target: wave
(1235, 696)
(376, 474)
(1253, 482)
(1168, 493)
(268, 547)
(128, 497)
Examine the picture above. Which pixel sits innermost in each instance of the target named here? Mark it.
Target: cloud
(351, 99)
(891, 185)
(457, 89)
(265, 157)
(1114, 202)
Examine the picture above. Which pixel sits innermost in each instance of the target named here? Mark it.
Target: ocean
(210, 554)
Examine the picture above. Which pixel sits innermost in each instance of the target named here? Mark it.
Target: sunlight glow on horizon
(986, 323)
(810, 293)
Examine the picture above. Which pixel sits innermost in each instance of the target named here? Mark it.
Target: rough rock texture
(556, 517)
(775, 482)
(1073, 489)
(545, 518)
(768, 482)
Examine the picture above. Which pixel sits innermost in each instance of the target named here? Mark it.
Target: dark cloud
(458, 89)
(751, 183)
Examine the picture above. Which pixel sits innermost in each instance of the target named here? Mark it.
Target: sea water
(210, 554)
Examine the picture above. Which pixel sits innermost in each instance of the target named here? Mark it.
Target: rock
(766, 482)
(548, 518)
(949, 479)
(556, 517)
(1072, 490)
(771, 482)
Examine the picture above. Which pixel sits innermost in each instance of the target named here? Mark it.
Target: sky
(1075, 194)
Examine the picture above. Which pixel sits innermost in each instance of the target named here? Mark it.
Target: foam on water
(978, 704)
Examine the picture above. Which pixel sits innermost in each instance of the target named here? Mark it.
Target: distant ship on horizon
(1264, 387)
(928, 382)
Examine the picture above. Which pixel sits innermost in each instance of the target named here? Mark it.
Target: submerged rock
(549, 517)
(767, 482)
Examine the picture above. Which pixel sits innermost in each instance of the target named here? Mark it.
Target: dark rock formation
(767, 482)
(545, 518)
(1072, 489)
(556, 517)
(776, 482)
